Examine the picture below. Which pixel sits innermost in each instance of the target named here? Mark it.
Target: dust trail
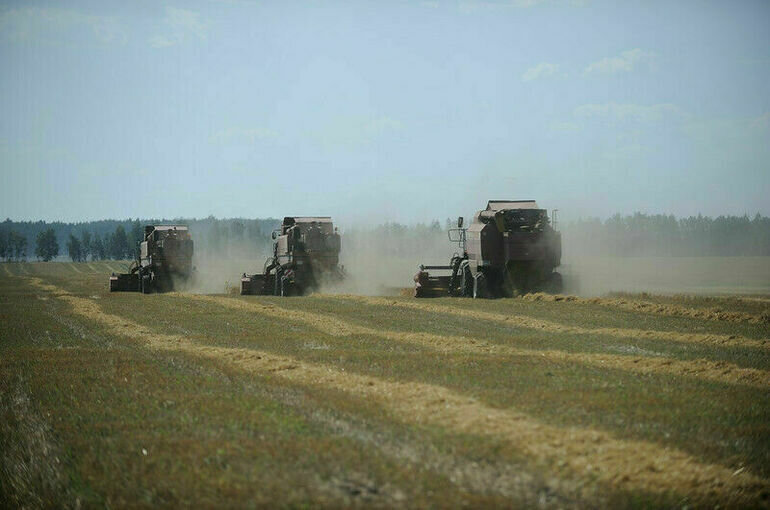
(670, 310)
(572, 452)
(719, 371)
(73, 266)
(554, 327)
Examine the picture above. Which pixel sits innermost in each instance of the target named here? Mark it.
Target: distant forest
(118, 239)
(624, 236)
(644, 235)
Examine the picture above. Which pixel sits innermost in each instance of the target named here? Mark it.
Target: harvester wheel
(146, 284)
(467, 282)
(277, 282)
(555, 284)
(480, 286)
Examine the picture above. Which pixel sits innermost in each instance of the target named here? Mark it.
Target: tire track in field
(92, 268)
(7, 271)
(571, 452)
(720, 371)
(669, 309)
(524, 321)
(73, 266)
(494, 477)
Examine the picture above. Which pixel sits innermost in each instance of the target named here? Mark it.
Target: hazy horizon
(374, 112)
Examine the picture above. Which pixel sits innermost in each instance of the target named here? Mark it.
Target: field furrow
(555, 327)
(572, 452)
(711, 370)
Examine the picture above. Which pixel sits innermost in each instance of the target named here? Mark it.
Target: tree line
(119, 239)
(630, 235)
(639, 235)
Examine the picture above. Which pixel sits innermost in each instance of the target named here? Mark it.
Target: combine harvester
(165, 259)
(510, 248)
(306, 252)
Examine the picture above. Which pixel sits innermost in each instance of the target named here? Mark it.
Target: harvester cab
(164, 260)
(510, 248)
(306, 251)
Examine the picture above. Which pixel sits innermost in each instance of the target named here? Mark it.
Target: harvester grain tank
(510, 248)
(306, 252)
(165, 261)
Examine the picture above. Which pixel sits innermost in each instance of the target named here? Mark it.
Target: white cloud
(630, 112)
(181, 25)
(624, 63)
(54, 25)
(541, 70)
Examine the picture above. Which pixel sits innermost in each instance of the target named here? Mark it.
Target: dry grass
(335, 401)
(713, 370)
(668, 309)
(554, 327)
(623, 464)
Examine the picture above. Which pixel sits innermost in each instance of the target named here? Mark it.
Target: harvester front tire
(286, 287)
(467, 283)
(146, 284)
(480, 289)
(555, 284)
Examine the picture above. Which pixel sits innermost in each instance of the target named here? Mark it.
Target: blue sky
(375, 111)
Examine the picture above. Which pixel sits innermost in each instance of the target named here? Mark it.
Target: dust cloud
(593, 265)
(383, 259)
(588, 276)
(377, 260)
(220, 261)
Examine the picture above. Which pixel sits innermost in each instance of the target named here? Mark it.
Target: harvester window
(525, 220)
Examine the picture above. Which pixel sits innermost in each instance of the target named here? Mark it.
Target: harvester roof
(168, 227)
(310, 219)
(499, 205)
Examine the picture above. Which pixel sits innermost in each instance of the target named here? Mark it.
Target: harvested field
(554, 327)
(717, 371)
(663, 308)
(181, 399)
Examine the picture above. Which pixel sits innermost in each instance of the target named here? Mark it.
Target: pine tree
(85, 245)
(46, 245)
(73, 248)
